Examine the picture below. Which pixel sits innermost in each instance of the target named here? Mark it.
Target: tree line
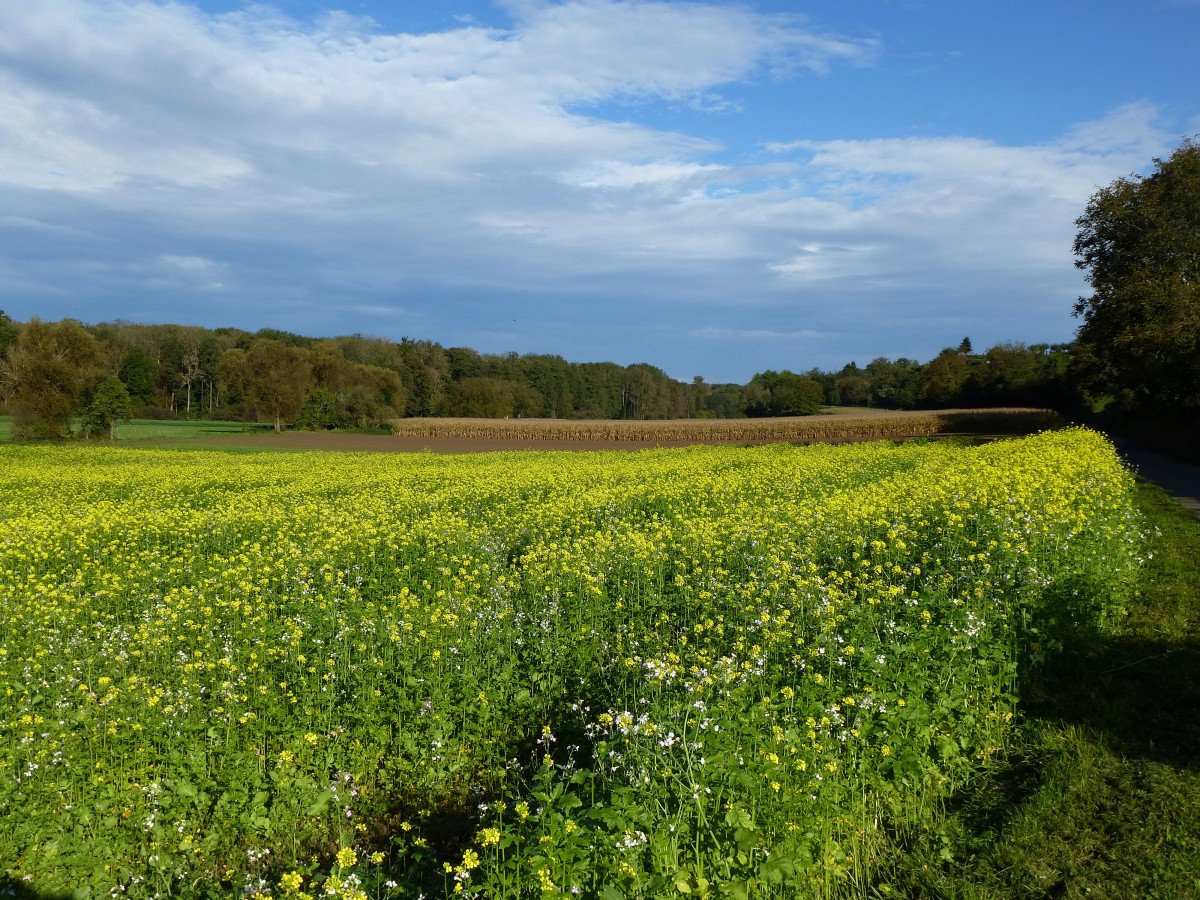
(53, 372)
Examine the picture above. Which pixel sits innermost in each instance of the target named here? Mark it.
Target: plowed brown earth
(383, 443)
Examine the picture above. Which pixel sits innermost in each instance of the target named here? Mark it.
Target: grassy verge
(182, 429)
(1100, 796)
(156, 429)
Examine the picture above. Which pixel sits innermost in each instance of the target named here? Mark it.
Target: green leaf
(569, 802)
(320, 804)
(739, 818)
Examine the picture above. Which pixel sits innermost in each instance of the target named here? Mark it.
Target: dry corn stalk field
(858, 424)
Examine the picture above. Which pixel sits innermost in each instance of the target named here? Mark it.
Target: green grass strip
(1100, 795)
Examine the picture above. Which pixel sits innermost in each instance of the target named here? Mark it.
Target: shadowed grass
(180, 429)
(167, 430)
(1100, 795)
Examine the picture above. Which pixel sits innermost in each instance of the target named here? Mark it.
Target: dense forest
(51, 372)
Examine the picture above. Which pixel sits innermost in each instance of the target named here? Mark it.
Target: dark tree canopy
(783, 393)
(943, 378)
(486, 396)
(1139, 241)
(8, 334)
(137, 372)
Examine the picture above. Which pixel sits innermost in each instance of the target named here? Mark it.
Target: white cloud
(187, 263)
(758, 335)
(594, 49)
(98, 94)
(331, 165)
(672, 177)
(929, 206)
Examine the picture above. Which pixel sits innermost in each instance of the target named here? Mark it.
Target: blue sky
(714, 188)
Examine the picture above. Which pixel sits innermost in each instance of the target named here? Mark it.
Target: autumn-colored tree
(490, 398)
(278, 378)
(48, 373)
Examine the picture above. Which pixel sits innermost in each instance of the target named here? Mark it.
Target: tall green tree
(943, 378)
(1139, 241)
(853, 388)
(110, 403)
(796, 395)
(647, 392)
(785, 393)
(424, 370)
(894, 385)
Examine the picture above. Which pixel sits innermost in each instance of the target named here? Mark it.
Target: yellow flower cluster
(196, 620)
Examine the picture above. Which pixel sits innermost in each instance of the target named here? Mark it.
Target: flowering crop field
(709, 672)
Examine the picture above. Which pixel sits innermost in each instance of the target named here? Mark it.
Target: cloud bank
(489, 186)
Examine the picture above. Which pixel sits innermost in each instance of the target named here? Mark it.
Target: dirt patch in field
(627, 440)
(382, 443)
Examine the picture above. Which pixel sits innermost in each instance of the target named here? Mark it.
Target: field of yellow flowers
(710, 672)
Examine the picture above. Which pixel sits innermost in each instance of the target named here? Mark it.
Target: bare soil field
(501, 435)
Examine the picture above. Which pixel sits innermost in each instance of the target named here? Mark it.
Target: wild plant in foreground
(711, 671)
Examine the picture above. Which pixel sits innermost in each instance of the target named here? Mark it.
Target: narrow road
(1179, 479)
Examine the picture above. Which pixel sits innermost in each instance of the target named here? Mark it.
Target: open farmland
(715, 671)
(450, 435)
(835, 424)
